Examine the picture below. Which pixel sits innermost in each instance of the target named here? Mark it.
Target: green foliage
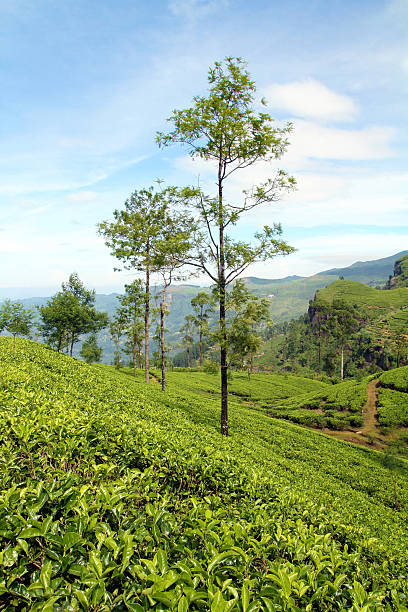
(15, 319)
(393, 398)
(129, 322)
(393, 408)
(142, 233)
(115, 496)
(150, 235)
(210, 367)
(203, 307)
(396, 379)
(400, 276)
(69, 314)
(90, 351)
(246, 314)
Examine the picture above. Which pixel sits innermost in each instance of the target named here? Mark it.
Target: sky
(86, 84)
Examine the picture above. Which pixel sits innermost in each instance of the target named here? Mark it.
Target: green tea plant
(115, 496)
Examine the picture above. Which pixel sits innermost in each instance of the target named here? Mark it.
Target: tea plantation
(115, 496)
(393, 398)
(297, 399)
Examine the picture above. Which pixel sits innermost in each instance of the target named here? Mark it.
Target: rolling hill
(115, 496)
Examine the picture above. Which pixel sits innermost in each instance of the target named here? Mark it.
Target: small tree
(69, 314)
(203, 306)
(224, 127)
(90, 351)
(15, 319)
(117, 329)
(187, 338)
(139, 237)
(131, 315)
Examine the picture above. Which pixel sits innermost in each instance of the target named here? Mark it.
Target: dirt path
(370, 414)
(368, 434)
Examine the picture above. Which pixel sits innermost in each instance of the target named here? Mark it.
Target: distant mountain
(369, 272)
(289, 297)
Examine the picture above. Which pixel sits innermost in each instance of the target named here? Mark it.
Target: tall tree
(139, 237)
(224, 127)
(203, 306)
(131, 315)
(318, 315)
(179, 243)
(344, 319)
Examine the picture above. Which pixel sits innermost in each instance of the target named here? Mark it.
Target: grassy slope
(117, 497)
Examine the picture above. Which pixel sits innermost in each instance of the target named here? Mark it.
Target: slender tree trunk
(135, 354)
(162, 351)
(223, 324)
(59, 343)
(201, 348)
(188, 357)
(250, 366)
(72, 345)
(342, 363)
(147, 315)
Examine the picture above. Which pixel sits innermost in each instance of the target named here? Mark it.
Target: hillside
(377, 302)
(115, 496)
(400, 274)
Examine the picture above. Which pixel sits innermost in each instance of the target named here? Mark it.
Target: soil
(369, 434)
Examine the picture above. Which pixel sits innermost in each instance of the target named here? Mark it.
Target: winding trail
(370, 413)
(368, 434)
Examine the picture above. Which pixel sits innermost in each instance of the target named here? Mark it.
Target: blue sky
(85, 85)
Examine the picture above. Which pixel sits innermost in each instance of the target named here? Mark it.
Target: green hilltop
(376, 301)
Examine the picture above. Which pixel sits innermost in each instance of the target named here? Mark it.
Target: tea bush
(392, 408)
(114, 496)
(396, 379)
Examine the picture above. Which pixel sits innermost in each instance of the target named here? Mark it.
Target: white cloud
(311, 99)
(310, 140)
(365, 198)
